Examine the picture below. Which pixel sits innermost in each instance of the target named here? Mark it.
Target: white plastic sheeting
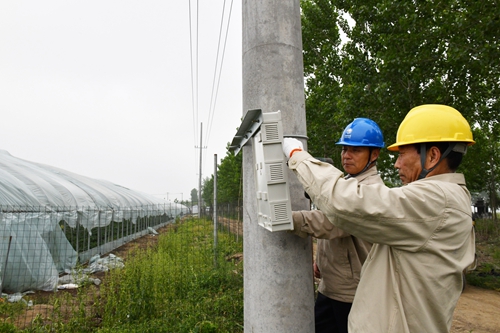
(35, 197)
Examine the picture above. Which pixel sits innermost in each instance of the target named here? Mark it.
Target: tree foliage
(207, 191)
(380, 58)
(194, 196)
(396, 55)
(229, 178)
(229, 182)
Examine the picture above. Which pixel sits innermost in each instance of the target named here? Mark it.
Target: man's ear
(433, 156)
(375, 155)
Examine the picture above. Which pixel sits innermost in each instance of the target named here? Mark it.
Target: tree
(229, 178)
(229, 181)
(322, 63)
(481, 166)
(397, 55)
(194, 196)
(207, 191)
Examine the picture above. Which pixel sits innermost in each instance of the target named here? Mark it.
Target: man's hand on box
(290, 146)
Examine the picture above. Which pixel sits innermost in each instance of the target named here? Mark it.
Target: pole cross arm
(250, 124)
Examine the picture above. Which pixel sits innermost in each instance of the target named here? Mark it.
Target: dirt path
(478, 311)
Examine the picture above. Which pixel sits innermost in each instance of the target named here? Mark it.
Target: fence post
(5, 265)
(215, 210)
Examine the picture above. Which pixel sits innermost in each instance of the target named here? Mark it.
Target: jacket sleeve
(403, 217)
(315, 223)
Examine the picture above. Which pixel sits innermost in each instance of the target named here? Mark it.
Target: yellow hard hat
(433, 123)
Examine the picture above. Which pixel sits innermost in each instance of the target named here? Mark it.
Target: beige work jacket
(423, 240)
(339, 255)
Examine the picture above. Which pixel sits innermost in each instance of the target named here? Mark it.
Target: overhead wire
(217, 73)
(213, 98)
(215, 81)
(194, 75)
(194, 92)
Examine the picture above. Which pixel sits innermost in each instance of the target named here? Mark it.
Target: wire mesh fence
(47, 255)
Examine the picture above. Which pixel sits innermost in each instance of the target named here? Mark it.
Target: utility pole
(215, 211)
(199, 179)
(278, 279)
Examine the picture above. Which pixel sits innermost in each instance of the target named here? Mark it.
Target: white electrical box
(270, 169)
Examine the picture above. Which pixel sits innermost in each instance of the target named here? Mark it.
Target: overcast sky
(104, 88)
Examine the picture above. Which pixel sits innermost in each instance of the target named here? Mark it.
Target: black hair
(453, 159)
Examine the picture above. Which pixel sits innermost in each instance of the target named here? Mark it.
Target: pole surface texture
(278, 276)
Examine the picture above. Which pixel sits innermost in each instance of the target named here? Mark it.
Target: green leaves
(229, 182)
(395, 56)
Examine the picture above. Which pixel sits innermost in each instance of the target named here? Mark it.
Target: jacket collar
(368, 173)
(457, 178)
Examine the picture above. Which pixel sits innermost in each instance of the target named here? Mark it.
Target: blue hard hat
(362, 132)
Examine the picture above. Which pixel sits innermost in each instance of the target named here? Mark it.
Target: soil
(477, 311)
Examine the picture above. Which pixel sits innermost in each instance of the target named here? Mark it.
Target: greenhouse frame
(52, 220)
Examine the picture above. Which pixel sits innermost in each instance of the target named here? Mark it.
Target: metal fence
(39, 246)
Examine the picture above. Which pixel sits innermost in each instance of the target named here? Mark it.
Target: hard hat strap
(423, 156)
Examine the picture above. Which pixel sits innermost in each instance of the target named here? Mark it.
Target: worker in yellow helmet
(422, 232)
(433, 125)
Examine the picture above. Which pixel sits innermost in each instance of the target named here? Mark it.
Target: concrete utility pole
(215, 211)
(278, 279)
(199, 178)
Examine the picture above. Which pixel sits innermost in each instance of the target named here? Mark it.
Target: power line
(214, 85)
(219, 61)
(194, 73)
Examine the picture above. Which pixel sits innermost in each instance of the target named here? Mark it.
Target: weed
(178, 284)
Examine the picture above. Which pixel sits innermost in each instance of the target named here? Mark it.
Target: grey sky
(103, 88)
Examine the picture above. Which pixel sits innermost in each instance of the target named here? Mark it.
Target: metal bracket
(250, 124)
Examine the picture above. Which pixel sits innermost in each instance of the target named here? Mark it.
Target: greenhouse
(52, 219)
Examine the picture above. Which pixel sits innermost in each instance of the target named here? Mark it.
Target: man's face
(408, 164)
(354, 159)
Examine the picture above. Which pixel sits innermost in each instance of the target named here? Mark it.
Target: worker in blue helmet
(339, 255)
(362, 136)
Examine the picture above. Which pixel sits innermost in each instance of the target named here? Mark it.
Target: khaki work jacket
(339, 255)
(423, 240)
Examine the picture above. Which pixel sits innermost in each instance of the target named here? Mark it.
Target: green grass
(175, 295)
(179, 285)
(9, 311)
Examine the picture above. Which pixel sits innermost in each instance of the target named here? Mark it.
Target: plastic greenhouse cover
(35, 197)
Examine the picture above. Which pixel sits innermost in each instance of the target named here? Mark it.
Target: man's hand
(291, 145)
(317, 273)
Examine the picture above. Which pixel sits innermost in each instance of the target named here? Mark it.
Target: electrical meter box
(270, 169)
